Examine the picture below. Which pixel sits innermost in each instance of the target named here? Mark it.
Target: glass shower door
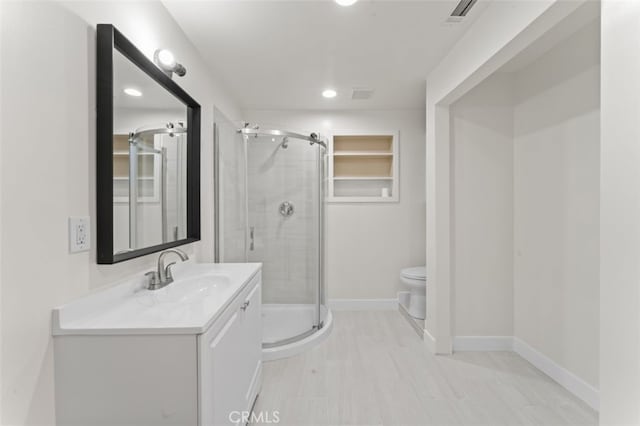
(284, 220)
(231, 197)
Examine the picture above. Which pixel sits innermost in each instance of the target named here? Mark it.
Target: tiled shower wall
(287, 246)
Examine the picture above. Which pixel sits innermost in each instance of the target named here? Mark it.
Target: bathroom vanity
(186, 354)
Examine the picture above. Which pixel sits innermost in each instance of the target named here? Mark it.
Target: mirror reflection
(149, 161)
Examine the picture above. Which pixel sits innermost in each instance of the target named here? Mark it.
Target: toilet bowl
(415, 279)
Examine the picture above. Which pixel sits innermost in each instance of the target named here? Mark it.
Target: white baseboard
(564, 377)
(574, 384)
(363, 304)
(417, 325)
(403, 298)
(482, 343)
(578, 387)
(429, 341)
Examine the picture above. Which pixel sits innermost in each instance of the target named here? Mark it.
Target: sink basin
(199, 294)
(186, 290)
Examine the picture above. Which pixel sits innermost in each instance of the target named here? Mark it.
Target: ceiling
(283, 54)
(586, 17)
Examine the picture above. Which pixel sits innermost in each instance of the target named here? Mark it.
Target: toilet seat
(415, 273)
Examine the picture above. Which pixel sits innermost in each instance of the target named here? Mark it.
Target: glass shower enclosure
(270, 202)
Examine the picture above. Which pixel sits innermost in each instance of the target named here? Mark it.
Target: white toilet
(415, 279)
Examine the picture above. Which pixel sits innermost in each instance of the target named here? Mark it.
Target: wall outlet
(79, 234)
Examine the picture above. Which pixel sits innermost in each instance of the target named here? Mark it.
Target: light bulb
(166, 58)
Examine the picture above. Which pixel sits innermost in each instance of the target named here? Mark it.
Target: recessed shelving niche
(363, 167)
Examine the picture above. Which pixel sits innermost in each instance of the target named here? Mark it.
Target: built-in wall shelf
(363, 167)
(361, 154)
(362, 178)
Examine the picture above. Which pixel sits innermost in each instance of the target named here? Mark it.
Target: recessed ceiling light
(132, 92)
(329, 93)
(346, 2)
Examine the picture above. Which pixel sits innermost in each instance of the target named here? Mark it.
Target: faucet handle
(152, 281)
(167, 271)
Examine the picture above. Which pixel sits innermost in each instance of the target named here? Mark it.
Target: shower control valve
(286, 209)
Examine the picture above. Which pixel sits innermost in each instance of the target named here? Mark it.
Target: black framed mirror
(148, 154)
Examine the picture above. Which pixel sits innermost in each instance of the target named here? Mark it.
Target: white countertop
(199, 294)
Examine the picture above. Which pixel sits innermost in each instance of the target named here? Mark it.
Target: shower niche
(363, 167)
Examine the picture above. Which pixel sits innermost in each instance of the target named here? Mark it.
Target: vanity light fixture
(165, 60)
(166, 57)
(132, 92)
(329, 93)
(346, 2)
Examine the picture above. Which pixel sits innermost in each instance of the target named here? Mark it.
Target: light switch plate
(79, 234)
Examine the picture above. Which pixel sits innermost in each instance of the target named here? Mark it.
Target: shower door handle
(251, 231)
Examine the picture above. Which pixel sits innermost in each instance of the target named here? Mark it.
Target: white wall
(502, 31)
(620, 215)
(525, 187)
(48, 173)
(556, 213)
(482, 209)
(389, 236)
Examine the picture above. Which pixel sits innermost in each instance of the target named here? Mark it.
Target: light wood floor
(374, 370)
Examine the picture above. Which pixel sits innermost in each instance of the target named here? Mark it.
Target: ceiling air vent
(461, 10)
(359, 94)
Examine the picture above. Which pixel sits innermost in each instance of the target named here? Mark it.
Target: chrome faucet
(163, 277)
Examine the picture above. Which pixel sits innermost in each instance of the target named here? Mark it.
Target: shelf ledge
(361, 199)
(362, 154)
(362, 178)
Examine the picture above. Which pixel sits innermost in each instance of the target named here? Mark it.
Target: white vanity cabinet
(196, 373)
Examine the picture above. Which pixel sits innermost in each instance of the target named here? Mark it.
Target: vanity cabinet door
(222, 391)
(231, 362)
(252, 349)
